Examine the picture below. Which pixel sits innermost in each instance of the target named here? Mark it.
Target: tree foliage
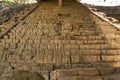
(8, 2)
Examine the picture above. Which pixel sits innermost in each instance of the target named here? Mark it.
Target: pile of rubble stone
(6, 12)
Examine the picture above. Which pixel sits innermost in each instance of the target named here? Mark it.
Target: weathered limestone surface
(67, 43)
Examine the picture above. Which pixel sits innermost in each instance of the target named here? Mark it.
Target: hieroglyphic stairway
(64, 43)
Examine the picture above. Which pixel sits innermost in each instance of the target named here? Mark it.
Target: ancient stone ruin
(65, 41)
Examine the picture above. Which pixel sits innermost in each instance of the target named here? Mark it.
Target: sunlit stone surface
(59, 43)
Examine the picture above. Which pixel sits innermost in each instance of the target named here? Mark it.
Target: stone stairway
(69, 42)
(86, 74)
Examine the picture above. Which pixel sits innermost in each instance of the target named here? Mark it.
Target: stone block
(88, 71)
(106, 71)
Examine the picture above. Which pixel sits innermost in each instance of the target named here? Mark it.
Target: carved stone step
(85, 74)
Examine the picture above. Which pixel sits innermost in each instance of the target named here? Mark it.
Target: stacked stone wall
(110, 11)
